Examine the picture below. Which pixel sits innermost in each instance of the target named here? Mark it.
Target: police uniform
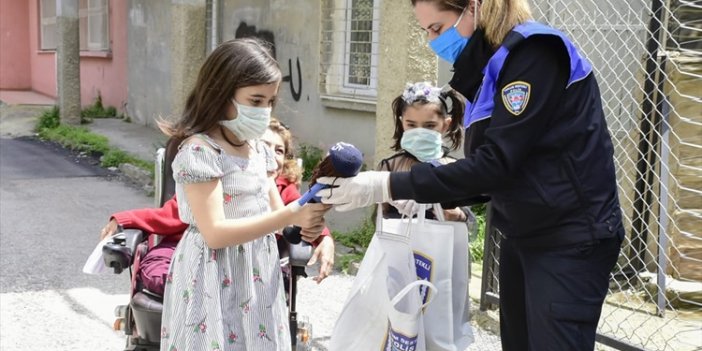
(538, 145)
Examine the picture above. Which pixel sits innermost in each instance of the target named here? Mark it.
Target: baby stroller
(140, 319)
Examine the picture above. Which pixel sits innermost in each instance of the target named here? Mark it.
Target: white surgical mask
(424, 144)
(250, 122)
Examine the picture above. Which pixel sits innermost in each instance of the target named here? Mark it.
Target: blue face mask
(422, 143)
(449, 44)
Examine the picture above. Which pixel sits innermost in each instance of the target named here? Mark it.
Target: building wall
(25, 67)
(107, 74)
(149, 60)
(43, 63)
(15, 73)
(294, 27)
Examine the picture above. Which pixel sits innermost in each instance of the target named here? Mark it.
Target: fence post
(646, 148)
(487, 284)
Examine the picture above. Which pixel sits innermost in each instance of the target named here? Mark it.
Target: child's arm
(205, 201)
(162, 221)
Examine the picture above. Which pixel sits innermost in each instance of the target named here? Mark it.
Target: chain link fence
(647, 56)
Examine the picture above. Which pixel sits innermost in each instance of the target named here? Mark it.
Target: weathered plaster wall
(107, 75)
(149, 60)
(404, 57)
(294, 27)
(15, 73)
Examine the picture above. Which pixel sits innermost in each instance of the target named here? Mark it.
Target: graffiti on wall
(244, 30)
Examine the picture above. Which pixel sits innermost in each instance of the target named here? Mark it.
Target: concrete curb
(138, 176)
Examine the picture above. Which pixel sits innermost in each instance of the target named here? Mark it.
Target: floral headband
(421, 91)
(428, 92)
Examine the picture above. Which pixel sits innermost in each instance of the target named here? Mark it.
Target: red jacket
(165, 221)
(162, 221)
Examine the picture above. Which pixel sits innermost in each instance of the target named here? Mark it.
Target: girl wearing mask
(537, 143)
(424, 115)
(224, 289)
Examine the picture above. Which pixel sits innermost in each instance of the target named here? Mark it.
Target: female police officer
(538, 145)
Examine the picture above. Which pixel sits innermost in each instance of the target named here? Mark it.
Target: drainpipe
(214, 24)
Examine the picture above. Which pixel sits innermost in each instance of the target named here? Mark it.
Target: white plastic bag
(442, 257)
(95, 263)
(383, 310)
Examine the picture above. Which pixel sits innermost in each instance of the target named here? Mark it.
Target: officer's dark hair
(452, 105)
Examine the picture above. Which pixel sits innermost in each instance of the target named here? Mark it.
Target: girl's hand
(455, 215)
(311, 234)
(109, 229)
(310, 218)
(324, 252)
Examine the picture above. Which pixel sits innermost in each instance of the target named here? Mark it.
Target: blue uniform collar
(481, 107)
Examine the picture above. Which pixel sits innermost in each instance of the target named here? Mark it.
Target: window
(93, 19)
(349, 50)
(49, 27)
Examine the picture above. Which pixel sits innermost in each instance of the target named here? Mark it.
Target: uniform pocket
(574, 325)
(575, 312)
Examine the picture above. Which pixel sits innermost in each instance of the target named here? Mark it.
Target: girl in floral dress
(224, 289)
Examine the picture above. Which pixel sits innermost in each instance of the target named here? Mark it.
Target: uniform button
(610, 228)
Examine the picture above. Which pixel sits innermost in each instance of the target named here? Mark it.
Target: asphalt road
(52, 206)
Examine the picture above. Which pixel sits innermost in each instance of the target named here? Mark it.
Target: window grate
(93, 23)
(349, 48)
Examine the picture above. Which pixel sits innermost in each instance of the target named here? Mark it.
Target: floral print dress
(230, 298)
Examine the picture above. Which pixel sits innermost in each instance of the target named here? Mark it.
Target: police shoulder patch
(515, 96)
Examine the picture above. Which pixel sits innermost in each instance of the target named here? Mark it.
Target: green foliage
(111, 111)
(76, 138)
(81, 139)
(97, 110)
(49, 119)
(310, 155)
(477, 243)
(358, 237)
(114, 157)
(345, 261)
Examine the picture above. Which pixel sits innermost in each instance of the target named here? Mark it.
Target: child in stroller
(150, 260)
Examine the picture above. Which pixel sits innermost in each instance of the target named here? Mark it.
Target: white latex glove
(407, 208)
(362, 190)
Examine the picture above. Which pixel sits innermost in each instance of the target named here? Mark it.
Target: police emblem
(515, 96)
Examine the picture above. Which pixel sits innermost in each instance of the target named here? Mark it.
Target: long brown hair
(497, 17)
(451, 105)
(232, 65)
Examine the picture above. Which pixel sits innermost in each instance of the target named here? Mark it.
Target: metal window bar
(647, 57)
(349, 48)
(94, 25)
